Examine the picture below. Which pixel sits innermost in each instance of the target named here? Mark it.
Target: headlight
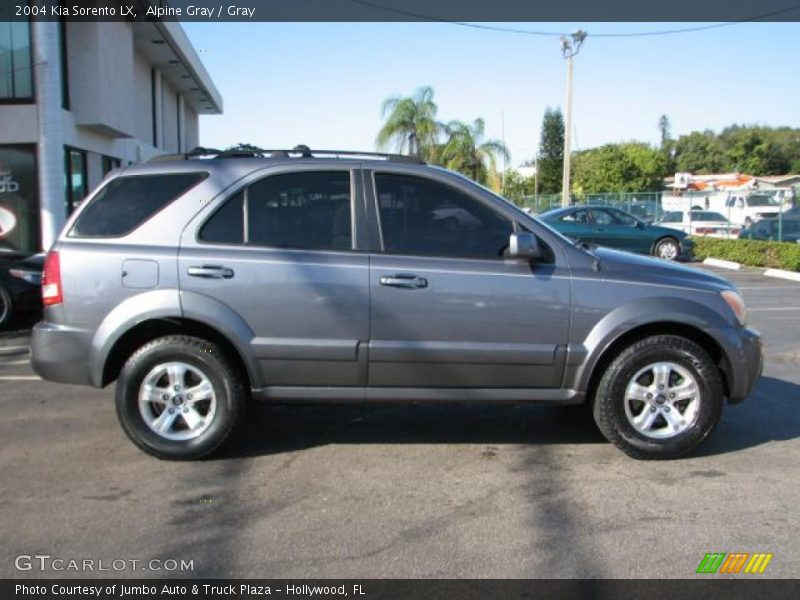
(736, 302)
(33, 277)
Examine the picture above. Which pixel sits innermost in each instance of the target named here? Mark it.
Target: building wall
(110, 114)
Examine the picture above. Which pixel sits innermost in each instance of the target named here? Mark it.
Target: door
(447, 309)
(280, 254)
(617, 229)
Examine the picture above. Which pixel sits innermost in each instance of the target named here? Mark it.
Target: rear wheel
(659, 398)
(179, 397)
(667, 248)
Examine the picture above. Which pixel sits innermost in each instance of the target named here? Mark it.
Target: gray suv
(201, 284)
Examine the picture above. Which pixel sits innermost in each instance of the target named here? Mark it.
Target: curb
(781, 274)
(724, 264)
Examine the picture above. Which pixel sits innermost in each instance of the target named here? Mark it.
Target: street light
(570, 46)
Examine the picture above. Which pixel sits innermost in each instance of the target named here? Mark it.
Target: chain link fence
(760, 215)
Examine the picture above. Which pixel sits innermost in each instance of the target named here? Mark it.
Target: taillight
(51, 280)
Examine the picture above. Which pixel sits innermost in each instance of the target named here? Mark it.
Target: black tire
(226, 381)
(609, 399)
(663, 243)
(6, 308)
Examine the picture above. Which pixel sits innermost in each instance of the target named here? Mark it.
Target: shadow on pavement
(769, 414)
(275, 429)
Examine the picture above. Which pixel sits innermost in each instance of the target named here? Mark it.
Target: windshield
(762, 201)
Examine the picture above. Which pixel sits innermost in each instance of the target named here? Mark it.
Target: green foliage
(699, 152)
(748, 149)
(411, 125)
(551, 151)
(467, 152)
(628, 167)
(754, 253)
(664, 129)
(516, 187)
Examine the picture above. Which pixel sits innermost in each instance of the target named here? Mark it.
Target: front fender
(640, 313)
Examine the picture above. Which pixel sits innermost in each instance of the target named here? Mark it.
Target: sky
(322, 84)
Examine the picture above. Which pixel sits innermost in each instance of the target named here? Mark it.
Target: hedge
(754, 253)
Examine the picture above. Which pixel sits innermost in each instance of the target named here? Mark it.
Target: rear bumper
(60, 354)
(747, 362)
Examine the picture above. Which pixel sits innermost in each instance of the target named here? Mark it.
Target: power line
(554, 34)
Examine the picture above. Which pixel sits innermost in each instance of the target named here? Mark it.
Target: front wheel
(6, 307)
(660, 398)
(667, 248)
(179, 397)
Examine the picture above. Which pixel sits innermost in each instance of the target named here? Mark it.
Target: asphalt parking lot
(404, 491)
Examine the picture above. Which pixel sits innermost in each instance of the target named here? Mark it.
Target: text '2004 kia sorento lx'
(200, 284)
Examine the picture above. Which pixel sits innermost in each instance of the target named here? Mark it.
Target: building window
(75, 178)
(16, 73)
(62, 31)
(110, 163)
(19, 200)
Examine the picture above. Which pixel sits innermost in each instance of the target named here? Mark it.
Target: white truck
(746, 208)
(741, 208)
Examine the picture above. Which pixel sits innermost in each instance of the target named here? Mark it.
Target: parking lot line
(775, 308)
(20, 378)
(6, 350)
(4, 363)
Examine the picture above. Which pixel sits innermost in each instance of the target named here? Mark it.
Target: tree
(411, 124)
(551, 151)
(699, 152)
(516, 187)
(664, 128)
(628, 167)
(467, 151)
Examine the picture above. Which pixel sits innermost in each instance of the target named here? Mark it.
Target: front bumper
(747, 362)
(60, 354)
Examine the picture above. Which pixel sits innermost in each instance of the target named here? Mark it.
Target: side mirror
(524, 245)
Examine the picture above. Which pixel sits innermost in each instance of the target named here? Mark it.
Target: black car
(20, 285)
(786, 229)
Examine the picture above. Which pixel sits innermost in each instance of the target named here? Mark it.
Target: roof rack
(300, 151)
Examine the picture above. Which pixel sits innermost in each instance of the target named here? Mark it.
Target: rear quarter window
(127, 202)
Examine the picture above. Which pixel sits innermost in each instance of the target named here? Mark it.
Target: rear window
(127, 202)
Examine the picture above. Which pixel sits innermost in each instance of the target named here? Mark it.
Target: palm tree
(467, 151)
(411, 124)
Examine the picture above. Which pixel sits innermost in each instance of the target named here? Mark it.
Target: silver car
(200, 285)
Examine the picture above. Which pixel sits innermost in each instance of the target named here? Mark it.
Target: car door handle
(405, 281)
(210, 272)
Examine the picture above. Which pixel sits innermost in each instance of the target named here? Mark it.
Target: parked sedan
(699, 222)
(20, 285)
(612, 227)
(773, 230)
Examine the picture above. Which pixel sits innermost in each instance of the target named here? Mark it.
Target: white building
(78, 99)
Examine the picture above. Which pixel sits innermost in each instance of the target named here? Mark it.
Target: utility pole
(569, 48)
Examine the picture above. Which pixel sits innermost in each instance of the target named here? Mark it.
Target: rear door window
(128, 201)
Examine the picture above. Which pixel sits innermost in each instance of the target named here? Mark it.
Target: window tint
(673, 217)
(420, 216)
(301, 210)
(602, 217)
(578, 216)
(127, 202)
(622, 218)
(226, 226)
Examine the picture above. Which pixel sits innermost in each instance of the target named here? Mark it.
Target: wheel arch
(615, 346)
(150, 329)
